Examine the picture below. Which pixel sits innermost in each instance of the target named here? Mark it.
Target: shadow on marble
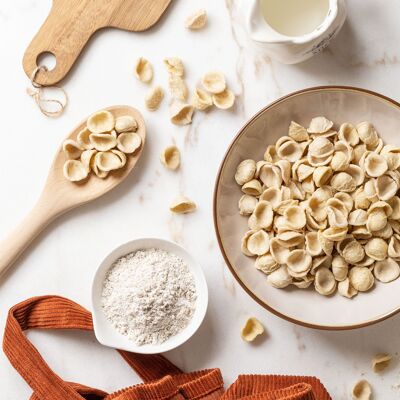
(198, 350)
(359, 343)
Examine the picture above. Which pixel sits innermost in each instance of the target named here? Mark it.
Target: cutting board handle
(65, 32)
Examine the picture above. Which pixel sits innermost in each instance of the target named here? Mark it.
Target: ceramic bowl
(107, 335)
(304, 307)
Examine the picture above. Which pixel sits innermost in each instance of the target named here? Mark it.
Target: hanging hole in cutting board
(46, 59)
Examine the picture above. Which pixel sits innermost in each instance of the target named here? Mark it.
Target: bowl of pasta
(307, 207)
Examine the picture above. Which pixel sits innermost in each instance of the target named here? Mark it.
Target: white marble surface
(63, 259)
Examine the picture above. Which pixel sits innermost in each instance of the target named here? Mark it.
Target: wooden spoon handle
(64, 34)
(15, 244)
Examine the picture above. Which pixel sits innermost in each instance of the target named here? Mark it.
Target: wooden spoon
(60, 195)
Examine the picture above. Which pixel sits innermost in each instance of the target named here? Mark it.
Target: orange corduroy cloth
(163, 380)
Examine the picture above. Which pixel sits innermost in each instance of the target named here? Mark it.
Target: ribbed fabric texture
(281, 387)
(163, 380)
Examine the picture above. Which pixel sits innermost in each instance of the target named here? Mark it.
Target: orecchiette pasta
(177, 87)
(72, 149)
(224, 100)
(247, 204)
(143, 70)
(125, 124)
(154, 98)
(75, 171)
(245, 171)
(171, 158)
(214, 82)
(381, 361)
(174, 66)
(83, 139)
(102, 141)
(201, 99)
(101, 122)
(323, 208)
(181, 113)
(182, 205)
(197, 20)
(128, 142)
(362, 390)
(101, 146)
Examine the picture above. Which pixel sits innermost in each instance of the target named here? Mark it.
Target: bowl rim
(241, 131)
(202, 292)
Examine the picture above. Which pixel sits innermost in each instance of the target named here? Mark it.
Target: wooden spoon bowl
(60, 195)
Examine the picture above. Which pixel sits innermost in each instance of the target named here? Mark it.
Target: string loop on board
(49, 107)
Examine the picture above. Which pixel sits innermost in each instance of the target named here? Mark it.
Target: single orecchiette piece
(361, 278)
(345, 289)
(280, 278)
(129, 142)
(375, 165)
(319, 125)
(262, 216)
(182, 205)
(266, 263)
(252, 188)
(258, 243)
(386, 270)
(72, 149)
(245, 171)
(201, 99)
(290, 151)
(298, 132)
(295, 217)
(154, 98)
(177, 87)
(143, 70)
(224, 100)
(299, 261)
(75, 171)
(377, 249)
(252, 328)
(247, 204)
(367, 133)
(362, 390)
(108, 161)
(325, 282)
(214, 82)
(290, 239)
(381, 361)
(174, 66)
(171, 157)
(125, 123)
(86, 158)
(83, 139)
(102, 141)
(101, 122)
(181, 113)
(197, 20)
(348, 133)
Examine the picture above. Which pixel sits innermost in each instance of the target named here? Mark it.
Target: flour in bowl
(149, 295)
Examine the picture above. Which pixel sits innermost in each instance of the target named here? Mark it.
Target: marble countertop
(62, 260)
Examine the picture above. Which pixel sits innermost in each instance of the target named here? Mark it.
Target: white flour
(149, 295)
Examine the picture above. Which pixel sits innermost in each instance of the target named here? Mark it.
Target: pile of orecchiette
(323, 208)
(101, 146)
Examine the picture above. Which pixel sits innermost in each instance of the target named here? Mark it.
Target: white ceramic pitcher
(294, 49)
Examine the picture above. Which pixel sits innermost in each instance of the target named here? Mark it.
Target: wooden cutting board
(71, 23)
